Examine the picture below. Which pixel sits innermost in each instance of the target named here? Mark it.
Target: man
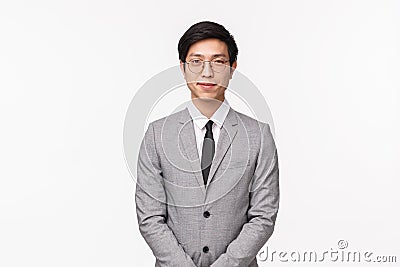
(207, 189)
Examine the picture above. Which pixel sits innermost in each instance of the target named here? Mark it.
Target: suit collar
(200, 120)
(230, 120)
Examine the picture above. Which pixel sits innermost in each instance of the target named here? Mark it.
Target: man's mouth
(206, 85)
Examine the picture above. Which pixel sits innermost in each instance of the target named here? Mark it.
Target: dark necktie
(208, 151)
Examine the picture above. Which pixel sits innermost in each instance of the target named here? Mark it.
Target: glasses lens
(218, 66)
(196, 65)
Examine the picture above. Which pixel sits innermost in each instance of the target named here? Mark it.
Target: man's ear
(182, 66)
(232, 69)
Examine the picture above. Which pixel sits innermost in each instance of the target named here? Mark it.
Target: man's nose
(207, 70)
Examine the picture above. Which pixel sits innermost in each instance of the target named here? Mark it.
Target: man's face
(211, 80)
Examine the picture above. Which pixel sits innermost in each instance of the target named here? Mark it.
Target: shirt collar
(218, 117)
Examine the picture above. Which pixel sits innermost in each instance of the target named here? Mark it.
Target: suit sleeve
(151, 207)
(263, 208)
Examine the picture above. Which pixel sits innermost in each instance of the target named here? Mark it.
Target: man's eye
(196, 61)
(219, 61)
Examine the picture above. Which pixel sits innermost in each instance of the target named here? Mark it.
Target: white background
(69, 69)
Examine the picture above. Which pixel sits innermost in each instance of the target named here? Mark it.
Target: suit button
(206, 214)
(205, 249)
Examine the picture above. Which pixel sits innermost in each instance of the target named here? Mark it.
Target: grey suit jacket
(228, 221)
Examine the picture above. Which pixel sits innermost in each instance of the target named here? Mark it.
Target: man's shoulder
(173, 117)
(250, 122)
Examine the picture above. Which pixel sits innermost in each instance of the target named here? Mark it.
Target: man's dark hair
(205, 30)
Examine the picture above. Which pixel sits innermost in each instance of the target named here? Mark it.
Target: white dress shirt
(200, 121)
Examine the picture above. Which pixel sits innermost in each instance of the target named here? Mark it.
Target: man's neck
(207, 106)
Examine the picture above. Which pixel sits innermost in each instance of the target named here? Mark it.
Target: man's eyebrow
(195, 55)
(219, 55)
(200, 55)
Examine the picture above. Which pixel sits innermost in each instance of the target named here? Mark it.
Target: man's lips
(205, 85)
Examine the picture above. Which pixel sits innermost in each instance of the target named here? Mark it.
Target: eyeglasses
(197, 65)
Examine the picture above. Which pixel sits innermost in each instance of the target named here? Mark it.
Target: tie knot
(209, 125)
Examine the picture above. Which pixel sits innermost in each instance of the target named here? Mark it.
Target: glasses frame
(202, 67)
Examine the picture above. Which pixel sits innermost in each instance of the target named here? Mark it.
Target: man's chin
(208, 98)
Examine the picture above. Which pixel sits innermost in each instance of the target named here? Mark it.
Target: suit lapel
(188, 142)
(227, 134)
